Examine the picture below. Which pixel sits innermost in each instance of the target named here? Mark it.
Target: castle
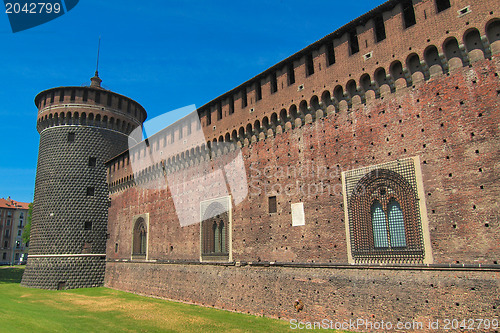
(357, 178)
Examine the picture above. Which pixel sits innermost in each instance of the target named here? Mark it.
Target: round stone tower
(80, 129)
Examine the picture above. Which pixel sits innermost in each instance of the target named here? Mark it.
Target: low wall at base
(334, 293)
(59, 272)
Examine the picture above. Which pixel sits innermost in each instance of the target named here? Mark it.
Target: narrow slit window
(110, 100)
(209, 116)
(291, 74)
(231, 105)
(61, 96)
(309, 65)
(219, 111)
(408, 14)
(52, 96)
(379, 28)
(87, 226)
(92, 162)
(273, 208)
(71, 136)
(442, 5)
(330, 53)
(119, 103)
(97, 97)
(244, 100)
(353, 42)
(258, 91)
(73, 94)
(85, 96)
(274, 83)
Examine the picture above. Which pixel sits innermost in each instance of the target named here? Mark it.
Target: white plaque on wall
(298, 217)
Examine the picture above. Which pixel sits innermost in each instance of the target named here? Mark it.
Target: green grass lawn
(106, 310)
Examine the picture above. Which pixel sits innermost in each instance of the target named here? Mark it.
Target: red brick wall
(449, 120)
(455, 134)
(460, 233)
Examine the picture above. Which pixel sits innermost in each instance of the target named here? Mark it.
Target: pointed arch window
(388, 227)
(384, 216)
(140, 241)
(215, 230)
(379, 225)
(396, 224)
(215, 237)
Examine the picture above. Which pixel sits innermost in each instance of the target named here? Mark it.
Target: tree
(27, 228)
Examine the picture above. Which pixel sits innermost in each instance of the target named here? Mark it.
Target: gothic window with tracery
(215, 233)
(384, 217)
(140, 238)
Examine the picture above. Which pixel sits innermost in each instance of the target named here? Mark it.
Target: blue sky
(164, 54)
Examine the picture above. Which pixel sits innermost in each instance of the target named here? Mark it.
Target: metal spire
(96, 81)
(98, 50)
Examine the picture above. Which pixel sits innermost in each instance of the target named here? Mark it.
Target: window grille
(379, 225)
(384, 213)
(396, 225)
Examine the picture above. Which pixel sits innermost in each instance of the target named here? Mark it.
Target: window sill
(215, 257)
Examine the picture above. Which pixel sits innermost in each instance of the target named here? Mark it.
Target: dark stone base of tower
(64, 272)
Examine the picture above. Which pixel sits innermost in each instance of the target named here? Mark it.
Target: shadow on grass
(9, 274)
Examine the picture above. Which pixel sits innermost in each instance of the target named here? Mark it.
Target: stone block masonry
(340, 293)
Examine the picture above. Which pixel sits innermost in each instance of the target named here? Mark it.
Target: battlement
(394, 46)
(327, 78)
(90, 106)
